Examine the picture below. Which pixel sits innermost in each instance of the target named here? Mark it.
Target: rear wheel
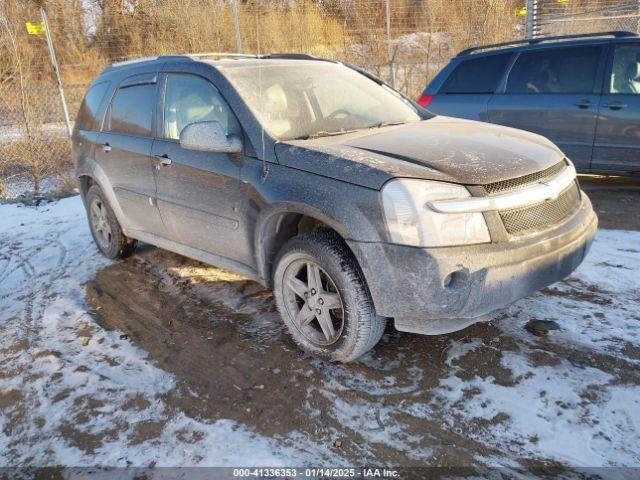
(323, 298)
(105, 229)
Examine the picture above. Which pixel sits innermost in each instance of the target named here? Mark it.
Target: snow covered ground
(75, 393)
(48, 372)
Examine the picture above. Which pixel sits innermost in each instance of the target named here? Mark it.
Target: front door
(199, 194)
(124, 152)
(617, 145)
(554, 92)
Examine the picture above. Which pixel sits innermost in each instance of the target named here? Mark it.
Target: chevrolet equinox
(314, 178)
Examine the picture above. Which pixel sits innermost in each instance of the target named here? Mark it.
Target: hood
(441, 148)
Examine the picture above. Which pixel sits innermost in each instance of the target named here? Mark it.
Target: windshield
(313, 99)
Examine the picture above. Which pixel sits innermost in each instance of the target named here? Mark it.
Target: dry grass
(89, 34)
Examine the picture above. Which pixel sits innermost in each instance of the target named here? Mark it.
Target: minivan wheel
(105, 229)
(323, 298)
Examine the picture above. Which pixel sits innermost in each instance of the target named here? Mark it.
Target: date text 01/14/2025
(318, 472)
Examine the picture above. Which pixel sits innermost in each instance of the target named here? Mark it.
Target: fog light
(456, 279)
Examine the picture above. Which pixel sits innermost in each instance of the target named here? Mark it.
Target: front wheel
(323, 298)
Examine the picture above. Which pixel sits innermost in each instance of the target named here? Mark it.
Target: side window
(189, 99)
(480, 75)
(132, 110)
(557, 70)
(625, 71)
(87, 115)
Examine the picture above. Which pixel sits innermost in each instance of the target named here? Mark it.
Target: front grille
(545, 214)
(515, 183)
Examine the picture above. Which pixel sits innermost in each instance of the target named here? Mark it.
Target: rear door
(465, 93)
(124, 151)
(555, 92)
(199, 193)
(617, 145)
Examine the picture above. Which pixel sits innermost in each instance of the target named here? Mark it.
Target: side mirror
(209, 137)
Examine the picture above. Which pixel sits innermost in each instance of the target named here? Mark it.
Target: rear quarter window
(87, 118)
(479, 75)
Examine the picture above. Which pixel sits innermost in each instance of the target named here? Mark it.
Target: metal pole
(236, 25)
(54, 65)
(392, 70)
(528, 22)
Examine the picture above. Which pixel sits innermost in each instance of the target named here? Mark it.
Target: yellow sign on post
(35, 28)
(521, 12)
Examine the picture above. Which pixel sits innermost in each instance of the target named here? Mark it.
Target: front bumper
(439, 290)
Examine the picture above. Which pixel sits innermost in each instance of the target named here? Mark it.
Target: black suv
(581, 91)
(318, 180)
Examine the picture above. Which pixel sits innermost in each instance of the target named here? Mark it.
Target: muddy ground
(221, 337)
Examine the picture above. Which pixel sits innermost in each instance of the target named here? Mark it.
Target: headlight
(411, 222)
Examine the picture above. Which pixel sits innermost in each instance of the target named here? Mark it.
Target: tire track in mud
(5, 261)
(25, 266)
(187, 329)
(32, 272)
(23, 335)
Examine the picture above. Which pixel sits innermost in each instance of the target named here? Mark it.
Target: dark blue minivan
(582, 92)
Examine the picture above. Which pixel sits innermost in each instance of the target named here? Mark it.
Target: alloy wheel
(100, 223)
(313, 302)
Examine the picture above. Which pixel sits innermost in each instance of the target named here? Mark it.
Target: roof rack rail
(130, 61)
(291, 56)
(533, 41)
(221, 54)
(134, 60)
(199, 55)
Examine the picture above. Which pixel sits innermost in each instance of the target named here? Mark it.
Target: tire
(355, 328)
(105, 229)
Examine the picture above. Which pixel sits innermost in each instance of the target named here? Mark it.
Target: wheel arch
(282, 222)
(92, 174)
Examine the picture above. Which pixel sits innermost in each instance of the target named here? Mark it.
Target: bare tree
(29, 152)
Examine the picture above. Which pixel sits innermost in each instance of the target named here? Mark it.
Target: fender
(90, 168)
(266, 226)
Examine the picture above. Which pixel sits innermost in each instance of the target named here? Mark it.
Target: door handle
(106, 147)
(163, 160)
(583, 104)
(615, 105)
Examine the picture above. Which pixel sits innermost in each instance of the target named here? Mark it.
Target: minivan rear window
(87, 115)
(480, 75)
(555, 71)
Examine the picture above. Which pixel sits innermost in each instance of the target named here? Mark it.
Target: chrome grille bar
(538, 192)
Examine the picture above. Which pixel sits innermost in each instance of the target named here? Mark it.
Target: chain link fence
(405, 42)
(34, 142)
(553, 17)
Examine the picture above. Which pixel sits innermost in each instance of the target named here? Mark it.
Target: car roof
(547, 42)
(217, 59)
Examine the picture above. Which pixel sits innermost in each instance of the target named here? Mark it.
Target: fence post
(531, 20)
(54, 65)
(236, 25)
(392, 69)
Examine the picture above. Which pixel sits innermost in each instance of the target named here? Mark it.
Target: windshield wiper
(386, 124)
(341, 132)
(323, 134)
